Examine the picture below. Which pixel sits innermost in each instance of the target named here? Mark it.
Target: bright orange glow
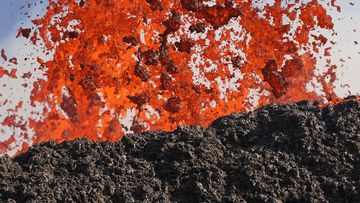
(169, 63)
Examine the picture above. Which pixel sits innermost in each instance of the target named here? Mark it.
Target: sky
(345, 23)
(8, 15)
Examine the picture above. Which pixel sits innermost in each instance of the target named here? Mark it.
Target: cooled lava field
(279, 153)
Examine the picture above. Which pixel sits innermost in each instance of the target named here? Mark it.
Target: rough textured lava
(279, 153)
(120, 66)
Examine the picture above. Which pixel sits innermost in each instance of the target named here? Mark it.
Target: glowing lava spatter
(158, 64)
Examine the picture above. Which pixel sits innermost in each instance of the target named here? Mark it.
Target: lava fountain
(120, 66)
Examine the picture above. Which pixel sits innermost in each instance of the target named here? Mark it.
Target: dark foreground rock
(289, 153)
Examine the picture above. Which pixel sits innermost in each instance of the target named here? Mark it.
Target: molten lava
(159, 64)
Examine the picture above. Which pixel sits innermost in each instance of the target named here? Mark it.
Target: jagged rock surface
(279, 153)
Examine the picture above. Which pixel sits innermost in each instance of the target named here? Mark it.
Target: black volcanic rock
(279, 153)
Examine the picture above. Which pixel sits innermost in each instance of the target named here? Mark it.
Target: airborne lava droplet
(142, 73)
(274, 78)
(155, 4)
(3, 55)
(199, 28)
(13, 60)
(140, 99)
(71, 35)
(68, 105)
(173, 23)
(217, 15)
(131, 40)
(25, 32)
(184, 45)
(165, 81)
(172, 105)
(172, 68)
(150, 57)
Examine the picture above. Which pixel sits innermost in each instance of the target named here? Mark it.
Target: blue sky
(9, 15)
(12, 16)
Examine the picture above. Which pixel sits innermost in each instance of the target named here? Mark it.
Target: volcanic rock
(278, 153)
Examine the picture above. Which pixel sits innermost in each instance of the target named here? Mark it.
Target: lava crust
(279, 153)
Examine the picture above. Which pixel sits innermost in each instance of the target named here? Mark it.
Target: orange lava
(162, 64)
